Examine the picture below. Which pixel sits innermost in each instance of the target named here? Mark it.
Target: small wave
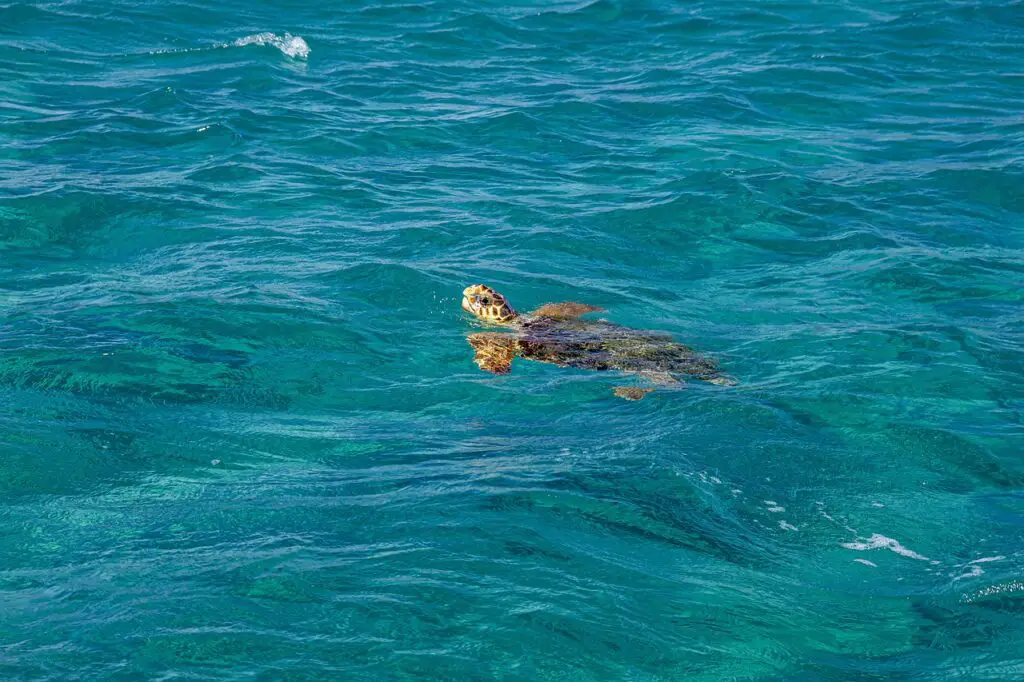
(293, 46)
(877, 541)
(1004, 589)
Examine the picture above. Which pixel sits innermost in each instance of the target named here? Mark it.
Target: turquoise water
(242, 436)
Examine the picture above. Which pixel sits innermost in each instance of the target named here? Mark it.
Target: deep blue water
(241, 433)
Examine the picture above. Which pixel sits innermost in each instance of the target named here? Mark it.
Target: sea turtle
(558, 334)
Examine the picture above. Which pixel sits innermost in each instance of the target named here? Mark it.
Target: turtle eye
(485, 301)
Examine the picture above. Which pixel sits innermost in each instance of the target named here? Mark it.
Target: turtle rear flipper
(661, 379)
(631, 392)
(565, 311)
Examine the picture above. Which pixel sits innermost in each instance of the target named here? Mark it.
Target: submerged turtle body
(557, 334)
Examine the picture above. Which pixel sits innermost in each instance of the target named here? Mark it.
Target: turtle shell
(600, 345)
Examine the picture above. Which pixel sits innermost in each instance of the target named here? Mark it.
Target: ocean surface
(242, 436)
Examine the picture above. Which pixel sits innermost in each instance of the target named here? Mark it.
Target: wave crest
(293, 46)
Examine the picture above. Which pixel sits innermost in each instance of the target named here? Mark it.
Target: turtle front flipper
(494, 352)
(565, 311)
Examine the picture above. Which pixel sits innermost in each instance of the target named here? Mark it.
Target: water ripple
(244, 437)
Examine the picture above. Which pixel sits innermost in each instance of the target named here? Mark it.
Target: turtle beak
(467, 304)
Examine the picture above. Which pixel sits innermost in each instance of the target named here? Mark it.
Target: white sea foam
(1011, 587)
(973, 572)
(292, 46)
(877, 541)
(974, 569)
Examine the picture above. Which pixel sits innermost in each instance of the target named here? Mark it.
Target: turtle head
(487, 304)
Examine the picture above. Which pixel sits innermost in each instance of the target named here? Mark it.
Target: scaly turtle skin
(557, 334)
